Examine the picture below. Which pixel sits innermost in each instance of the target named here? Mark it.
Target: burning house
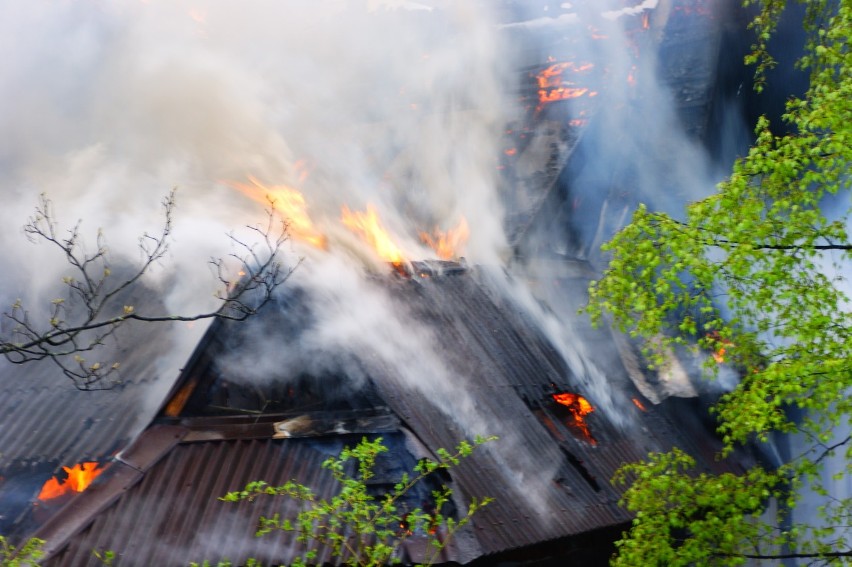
(220, 429)
(380, 335)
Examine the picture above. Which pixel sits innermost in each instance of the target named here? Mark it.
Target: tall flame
(290, 203)
(579, 408)
(80, 476)
(368, 226)
(447, 244)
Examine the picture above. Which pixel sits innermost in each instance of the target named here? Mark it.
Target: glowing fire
(80, 476)
(552, 86)
(290, 203)
(561, 93)
(368, 226)
(447, 244)
(596, 34)
(199, 15)
(721, 346)
(579, 408)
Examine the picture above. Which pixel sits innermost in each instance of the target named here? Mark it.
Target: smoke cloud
(397, 105)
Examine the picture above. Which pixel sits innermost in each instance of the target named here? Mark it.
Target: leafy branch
(28, 554)
(357, 527)
(752, 273)
(708, 238)
(778, 556)
(92, 311)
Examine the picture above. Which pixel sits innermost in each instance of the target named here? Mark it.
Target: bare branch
(91, 314)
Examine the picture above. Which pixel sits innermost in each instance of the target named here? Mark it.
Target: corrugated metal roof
(173, 516)
(48, 423)
(547, 480)
(503, 358)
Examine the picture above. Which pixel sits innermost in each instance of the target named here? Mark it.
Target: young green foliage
(754, 269)
(105, 557)
(27, 554)
(356, 527)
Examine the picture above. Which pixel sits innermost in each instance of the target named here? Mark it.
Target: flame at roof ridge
(447, 244)
(368, 226)
(290, 203)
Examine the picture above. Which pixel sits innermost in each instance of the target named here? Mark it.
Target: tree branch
(713, 240)
(826, 555)
(93, 289)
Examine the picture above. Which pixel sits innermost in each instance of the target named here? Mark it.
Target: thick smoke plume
(395, 105)
(111, 105)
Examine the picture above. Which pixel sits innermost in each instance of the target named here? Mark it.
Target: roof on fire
(156, 504)
(550, 481)
(48, 423)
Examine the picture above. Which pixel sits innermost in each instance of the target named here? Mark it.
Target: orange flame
(448, 244)
(552, 87)
(721, 346)
(561, 93)
(368, 226)
(199, 15)
(579, 408)
(595, 33)
(80, 476)
(290, 203)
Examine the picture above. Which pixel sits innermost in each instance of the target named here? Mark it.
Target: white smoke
(399, 105)
(111, 105)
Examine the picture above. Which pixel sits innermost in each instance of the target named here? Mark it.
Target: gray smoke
(393, 104)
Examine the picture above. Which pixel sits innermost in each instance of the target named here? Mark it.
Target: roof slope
(48, 423)
(550, 481)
